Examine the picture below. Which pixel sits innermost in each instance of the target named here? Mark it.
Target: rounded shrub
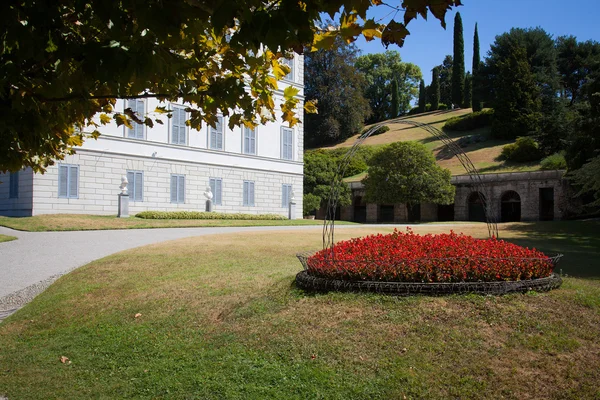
(523, 150)
(554, 161)
(310, 203)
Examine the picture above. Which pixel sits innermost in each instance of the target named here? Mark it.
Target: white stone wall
(100, 176)
(22, 205)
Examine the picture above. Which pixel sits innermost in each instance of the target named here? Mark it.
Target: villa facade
(170, 166)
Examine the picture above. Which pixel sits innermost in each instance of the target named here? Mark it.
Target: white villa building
(170, 166)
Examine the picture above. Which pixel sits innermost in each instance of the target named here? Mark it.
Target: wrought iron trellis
(477, 182)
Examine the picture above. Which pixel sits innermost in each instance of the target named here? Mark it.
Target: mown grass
(219, 318)
(6, 238)
(76, 222)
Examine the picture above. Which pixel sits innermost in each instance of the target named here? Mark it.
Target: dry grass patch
(77, 222)
(220, 318)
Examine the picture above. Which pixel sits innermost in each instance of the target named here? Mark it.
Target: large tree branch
(103, 97)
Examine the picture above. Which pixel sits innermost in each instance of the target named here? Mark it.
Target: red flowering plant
(408, 257)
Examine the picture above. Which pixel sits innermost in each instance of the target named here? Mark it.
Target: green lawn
(76, 222)
(6, 238)
(217, 317)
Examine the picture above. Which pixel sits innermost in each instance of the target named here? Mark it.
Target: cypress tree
(435, 89)
(475, 79)
(422, 96)
(468, 90)
(458, 69)
(394, 105)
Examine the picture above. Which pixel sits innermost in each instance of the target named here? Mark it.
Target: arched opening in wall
(386, 213)
(360, 209)
(510, 207)
(413, 212)
(445, 212)
(477, 204)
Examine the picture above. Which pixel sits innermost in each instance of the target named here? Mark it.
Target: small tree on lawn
(406, 172)
(435, 89)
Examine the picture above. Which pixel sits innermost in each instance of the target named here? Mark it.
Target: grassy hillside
(484, 154)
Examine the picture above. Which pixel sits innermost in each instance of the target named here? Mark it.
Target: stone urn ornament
(209, 196)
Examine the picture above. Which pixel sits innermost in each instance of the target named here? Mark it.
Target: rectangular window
(178, 189)
(286, 195)
(68, 181)
(138, 107)
(249, 140)
(13, 189)
(178, 128)
(216, 187)
(135, 187)
(216, 135)
(248, 193)
(287, 143)
(289, 63)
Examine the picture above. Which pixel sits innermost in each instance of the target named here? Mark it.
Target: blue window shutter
(218, 194)
(139, 128)
(13, 189)
(173, 189)
(286, 194)
(73, 181)
(63, 182)
(181, 189)
(220, 133)
(130, 183)
(138, 187)
(251, 194)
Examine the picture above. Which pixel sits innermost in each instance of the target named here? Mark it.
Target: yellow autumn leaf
(105, 119)
(289, 92)
(122, 120)
(310, 107)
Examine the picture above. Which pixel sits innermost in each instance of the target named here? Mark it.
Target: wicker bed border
(311, 283)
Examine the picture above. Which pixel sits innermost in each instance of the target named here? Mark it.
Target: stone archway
(476, 203)
(510, 207)
(336, 184)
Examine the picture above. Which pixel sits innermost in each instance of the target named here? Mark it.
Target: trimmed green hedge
(469, 122)
(554, 161)
(205, 215)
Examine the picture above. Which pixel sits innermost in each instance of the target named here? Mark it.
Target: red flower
(408, 257)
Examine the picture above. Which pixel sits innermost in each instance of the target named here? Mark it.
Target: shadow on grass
(579, 241)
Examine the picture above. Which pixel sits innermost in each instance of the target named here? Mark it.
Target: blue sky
(428, 42)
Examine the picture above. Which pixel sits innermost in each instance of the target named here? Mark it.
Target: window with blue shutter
(215, 136)
(68, 181)
(135, 187)
(178, 189)
(287, 143)
(13, 189)
(138, 107)
(289, 63)
(286, 195)
(249, 140)
(178, 128)
(216, 187)
(248, 197)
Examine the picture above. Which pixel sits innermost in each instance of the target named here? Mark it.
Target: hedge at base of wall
(205, 215)
(311, 283)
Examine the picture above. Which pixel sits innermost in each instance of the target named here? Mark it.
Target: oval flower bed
(428, 259)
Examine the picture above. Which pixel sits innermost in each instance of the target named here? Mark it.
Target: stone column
(371, 213)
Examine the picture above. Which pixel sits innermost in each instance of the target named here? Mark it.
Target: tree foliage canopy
(61, 63)
(380, 70)
(406, 172)
(458, 68)
(338, 88)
